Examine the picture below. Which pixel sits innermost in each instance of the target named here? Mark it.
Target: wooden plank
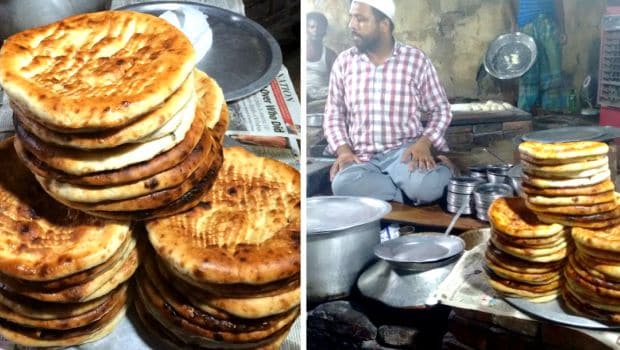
(432, 215)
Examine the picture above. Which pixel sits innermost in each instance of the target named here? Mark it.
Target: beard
(365, 43)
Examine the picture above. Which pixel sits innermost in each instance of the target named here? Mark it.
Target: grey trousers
(386, 177)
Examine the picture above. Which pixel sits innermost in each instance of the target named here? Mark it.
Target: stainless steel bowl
(18, 15)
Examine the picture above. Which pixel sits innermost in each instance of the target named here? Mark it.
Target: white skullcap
(384, 6)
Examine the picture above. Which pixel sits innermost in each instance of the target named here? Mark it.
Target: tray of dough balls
(484, 107)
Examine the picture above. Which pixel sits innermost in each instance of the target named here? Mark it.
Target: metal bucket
(341, 235)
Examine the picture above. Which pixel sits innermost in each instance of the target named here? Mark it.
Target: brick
(487, 128)
(518, 125)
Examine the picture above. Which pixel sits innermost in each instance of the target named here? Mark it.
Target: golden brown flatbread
(563, 150)
(515, 264)
(44, 240)
(602, 187)
(512, 217)
(209, 164)
(567, 167)
(156, 306)
(573, 209)
(528, 278)
(571, 200)
(167, 179)
(118, 297)
(97, 70)
(243, 244)
(82, 162)
(169, 113)
(564, 183)
(607, 239)
(536, 293)
(122, 176)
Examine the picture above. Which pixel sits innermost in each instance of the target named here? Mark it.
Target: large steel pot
(341, 235)
(18, 15)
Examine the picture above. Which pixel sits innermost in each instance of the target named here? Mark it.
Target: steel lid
(568, 134)
(334, 213)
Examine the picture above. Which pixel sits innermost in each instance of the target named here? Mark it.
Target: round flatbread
(567, 174)
(542, 242)
(47, 311)
(551, 183)
(112, 301)
(587, 310)
(605, 239)
(599, 268)
(125, 175)
(252, 215)
(161, 121)
(170, 178)
(557, 161)
(95, 71)
(602, 187)
(90, 290)
(563, 150)
(571, 200)
(33, 337)
(43, 240)
(528, 278)
(585, 221)
(515, 264)
(512, 217)
(524, 290)
(573, 209)
(568, 167)
(536, 255)
(81, 162)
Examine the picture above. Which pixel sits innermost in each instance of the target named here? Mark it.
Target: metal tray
(573, 133)
(244, 57)
(334, 213)
(555, 311)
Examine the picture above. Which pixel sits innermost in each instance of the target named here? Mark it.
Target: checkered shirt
(379, 108)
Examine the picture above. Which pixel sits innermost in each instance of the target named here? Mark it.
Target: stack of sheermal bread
(569, 183)
(63, 274)
(525, 256)
(225, 274)
(593, 274)
(111, 116)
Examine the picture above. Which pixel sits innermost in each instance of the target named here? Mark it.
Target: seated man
(378, 92)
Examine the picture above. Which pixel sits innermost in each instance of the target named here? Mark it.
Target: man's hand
(418, 155)
(345, 156)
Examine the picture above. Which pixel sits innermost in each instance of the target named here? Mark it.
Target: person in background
(379, 90)
(544, 21)
(319, 58)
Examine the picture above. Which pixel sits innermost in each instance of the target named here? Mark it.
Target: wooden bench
(432, 215)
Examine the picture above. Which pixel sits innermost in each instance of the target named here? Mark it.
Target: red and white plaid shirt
(376, 109)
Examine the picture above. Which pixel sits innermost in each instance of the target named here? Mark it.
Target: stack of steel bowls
(460, 189)
(478, 171)
(498, 173)
(485, 194)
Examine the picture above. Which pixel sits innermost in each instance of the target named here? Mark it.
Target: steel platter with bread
(117, 165)
(561, 236)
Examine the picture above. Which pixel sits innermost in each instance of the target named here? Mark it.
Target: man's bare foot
(447, 162)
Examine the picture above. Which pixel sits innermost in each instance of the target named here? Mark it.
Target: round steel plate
(244, 57)
(510, 55)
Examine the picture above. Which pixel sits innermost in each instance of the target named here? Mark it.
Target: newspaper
(466, 287)
(231, 5)
(268, 122)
